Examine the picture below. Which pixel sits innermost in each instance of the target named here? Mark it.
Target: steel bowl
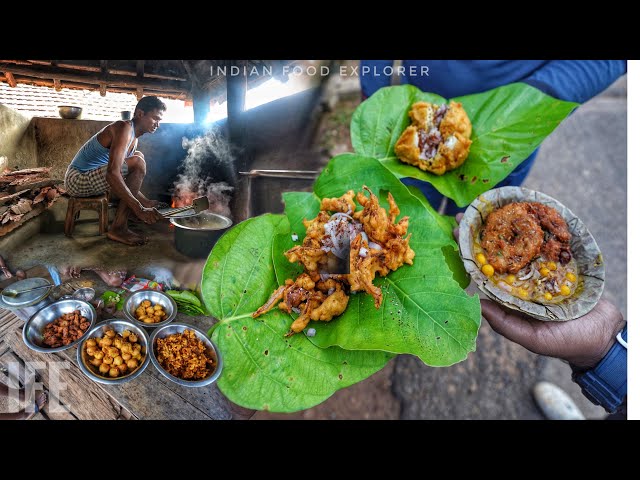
(86, 293)
(118, 326)
(154, 296)
(69, 112)
(32, 334)
(212, 350)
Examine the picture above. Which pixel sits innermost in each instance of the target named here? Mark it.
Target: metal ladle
(14, 293)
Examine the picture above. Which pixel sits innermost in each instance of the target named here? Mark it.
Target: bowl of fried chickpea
(115, 351)
(150, 308)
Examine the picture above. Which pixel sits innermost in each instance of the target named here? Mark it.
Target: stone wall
(58, 140)
(17, 144)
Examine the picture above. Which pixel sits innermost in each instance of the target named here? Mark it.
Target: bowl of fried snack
(59, 326)
(150, 308)
(185, 355)
(114, 352)
(530, 253)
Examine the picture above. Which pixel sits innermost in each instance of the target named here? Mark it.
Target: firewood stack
(24, 194)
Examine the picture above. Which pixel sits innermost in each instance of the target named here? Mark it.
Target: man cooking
(109, 161)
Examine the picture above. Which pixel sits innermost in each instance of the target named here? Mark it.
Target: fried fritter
(511, 238)
(376, 244)
(438, 138)
(550, 221)
(455, 120)
(344, 204)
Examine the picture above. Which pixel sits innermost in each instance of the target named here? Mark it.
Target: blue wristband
(606, 383)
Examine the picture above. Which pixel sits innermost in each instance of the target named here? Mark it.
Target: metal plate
(29, 298)
(187, 213)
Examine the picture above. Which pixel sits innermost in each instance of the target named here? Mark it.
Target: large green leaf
(378, 122)
(262, 369)
(425, 311)
(508, 123)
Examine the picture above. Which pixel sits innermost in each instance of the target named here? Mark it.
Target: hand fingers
(510, 325)
(459, 217)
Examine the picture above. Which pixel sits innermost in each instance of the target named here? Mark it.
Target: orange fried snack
(438, 138)
(371, 238)
(184, 356)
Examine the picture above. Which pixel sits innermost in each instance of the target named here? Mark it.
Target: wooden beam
(84, 68)
(57, 85)
(10, 80)
(167, 93)
(139, 93)
(6, 228)
(140, 68)
(17, 62)
(38, 72)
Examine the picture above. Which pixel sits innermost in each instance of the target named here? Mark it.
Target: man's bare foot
(113, 279)
(72, 272)
(126, 236)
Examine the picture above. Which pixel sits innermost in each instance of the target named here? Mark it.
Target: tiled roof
(35, 101)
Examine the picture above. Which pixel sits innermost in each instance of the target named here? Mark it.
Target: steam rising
(194, 181)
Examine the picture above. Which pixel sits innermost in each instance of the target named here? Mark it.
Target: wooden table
(149, 396)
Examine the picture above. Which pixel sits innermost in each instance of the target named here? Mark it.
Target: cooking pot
(195, 236)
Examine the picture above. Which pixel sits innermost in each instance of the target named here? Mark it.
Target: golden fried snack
(114, 355)
(344, 204)
(438, 138)
(374, 243)
(511, 238)
(185, 356)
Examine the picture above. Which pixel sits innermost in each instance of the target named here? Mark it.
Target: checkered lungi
(90, 183)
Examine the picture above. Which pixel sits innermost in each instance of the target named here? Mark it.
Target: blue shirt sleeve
(371, 78)
(576, 80)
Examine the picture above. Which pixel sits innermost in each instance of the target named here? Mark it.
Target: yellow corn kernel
(548, 296)
(552, 266)
(487, 270)
(565, 290)
(571, 277)
(510, 279)
(523, 293)
(544, 271)
(482, 260)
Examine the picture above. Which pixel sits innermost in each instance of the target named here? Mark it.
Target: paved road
(583, 164)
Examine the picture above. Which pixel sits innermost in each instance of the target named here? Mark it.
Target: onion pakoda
(438, 138)
(366, 242)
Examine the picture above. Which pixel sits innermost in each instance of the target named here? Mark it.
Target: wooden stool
(98, 203)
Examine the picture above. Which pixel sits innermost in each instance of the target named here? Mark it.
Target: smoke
(204, 155)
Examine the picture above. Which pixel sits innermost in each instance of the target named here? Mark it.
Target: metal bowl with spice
(35, 333)
(119, 333)
(154, 297)
(199, 360)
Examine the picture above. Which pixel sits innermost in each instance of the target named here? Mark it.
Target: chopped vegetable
(188, 302)
(113, 298)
